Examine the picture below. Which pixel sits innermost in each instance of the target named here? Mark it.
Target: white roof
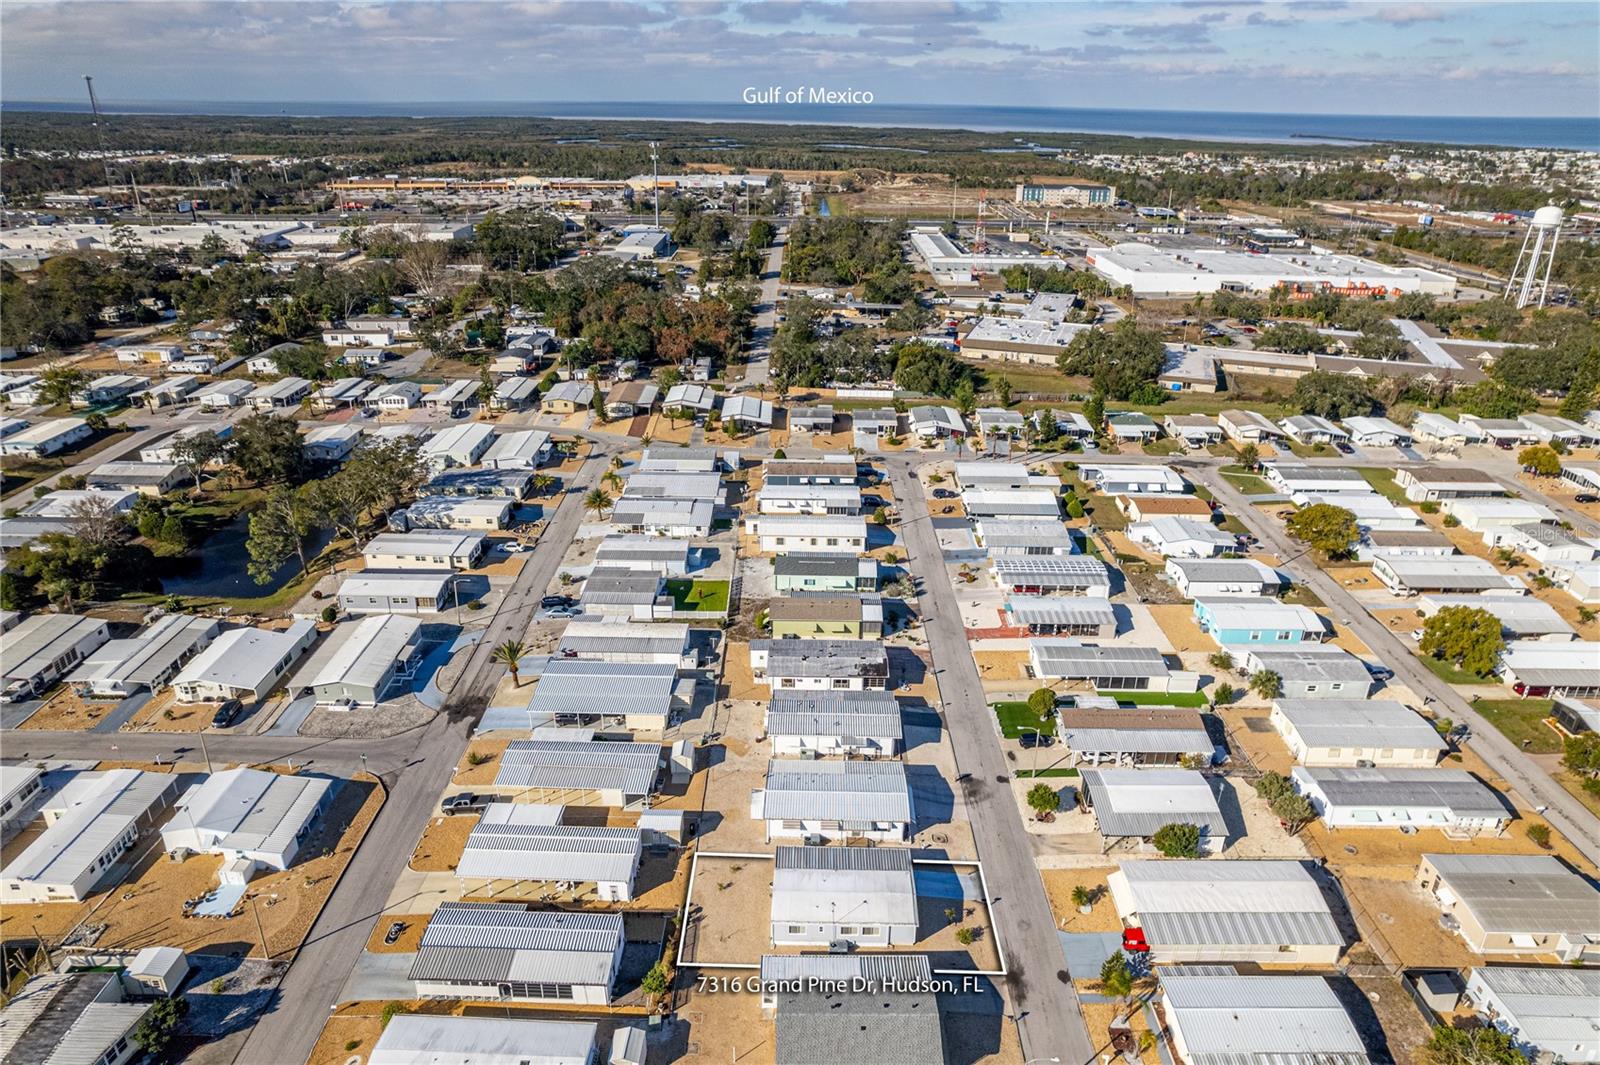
(405, 583)
(1358, 723)
(451, 392)
(1548, 1007)
(46, 431)
(1284, 1020)
(1172, 529)
(432, 542)
(366, 650)
(149, 654)
(810, 525)
(1096, 472)
(243, 658)
(248, 810)
(424, 1039)
(1248, 613)
(1361, 425)
(97, 808)
(1205, 886)
(864, 885)
(458, 440)
(691, 395)
(435, 507)
(64, 502)
(521, 446)
(1029, 331)
(747, 408)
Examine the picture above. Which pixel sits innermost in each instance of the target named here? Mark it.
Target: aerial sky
(1341, 56)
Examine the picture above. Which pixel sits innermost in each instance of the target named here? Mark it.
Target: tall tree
(280, 528)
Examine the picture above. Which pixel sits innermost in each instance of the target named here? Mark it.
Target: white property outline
(983, 884)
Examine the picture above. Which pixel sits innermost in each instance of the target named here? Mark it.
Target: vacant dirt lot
(442, 840)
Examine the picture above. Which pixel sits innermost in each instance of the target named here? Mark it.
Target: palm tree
(613, 481)
(509, 654)
(597, 501)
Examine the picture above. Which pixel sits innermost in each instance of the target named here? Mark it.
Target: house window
(1310, 688)
(1335, 752)
(869, 930)
(847, 930)
(797, 929)
(1255, 637)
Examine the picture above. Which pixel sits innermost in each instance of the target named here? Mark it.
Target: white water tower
(1530, 280)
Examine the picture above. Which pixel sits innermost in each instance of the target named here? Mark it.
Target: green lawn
(1229, 523)
(1248, 483)
(1137, 698)
(1382, 482)
(1311, 451)
(1300, 595)
(1064, 771)
(1166, 446)
(1016, 720)
(20, 474)
(1450, 673)
(709, 597)
(1522, 720)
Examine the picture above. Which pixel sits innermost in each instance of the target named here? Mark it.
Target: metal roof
(1054, 610)
(626, 546)
(1225, 569)
(598, 638)
(424, 1039)
(1235, 903)
(894, 968)
(1316, 662)
(584, 686)
(149, 655)
(671, 485)
(615, 586)
(1250, 613)
(68, 1018)
(432, 542)
(1520, 615)
(1260, 1020)
(826, 606)
(1550, 1008)
(1455, 790)
(873, 714)
(1359, 723)
(747, 408)
(96, 808)
(1514, 893)
(1056, 571)
(413, 583)
(1140, 729)
(805, 564)
(823, 658)
(518, 447)
(362, 653)
(1137, 802)
(836, 791)
(983, 502)
(679, 458)
(1024, 532)
(696, 512)
(493, 942)
(246, 810)
(862, 885)
(580, 766)
(1537, 663)
(511, 851)
(885, 1028)
(31, 647)
(1175, 528)
(1070, 659)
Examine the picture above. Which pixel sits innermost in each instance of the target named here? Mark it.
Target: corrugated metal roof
(1261, 1019)
(99, 807)
(1068, 658)
(823, 658)
(893, 968)
(246, 810)
(150, 654)
(582, 686)
(641, 547)
(32, 645)
(366, 656)
(1057, 571)
(836, 791)
(600, 766)
(614, 586)
(509, 851)
(1053, 610)
(860, 885)
(488, 942)
(1321, 662)
(1359, 723)
(1456, 790)
(1512, 893)
(1142, 730)
(612, 637)
(885, 1028)
(421, 1039)
(867, 714)
(1138, 802)
(65, 1019)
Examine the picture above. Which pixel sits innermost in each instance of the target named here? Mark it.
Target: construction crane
(105, 154)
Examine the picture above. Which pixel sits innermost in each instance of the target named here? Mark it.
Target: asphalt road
(758, 368)
(1569, 816)
(288, 1032)
(1049, 1021)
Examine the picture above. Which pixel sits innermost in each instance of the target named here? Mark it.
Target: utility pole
(263, 935)
(205, 753)
(655, 181)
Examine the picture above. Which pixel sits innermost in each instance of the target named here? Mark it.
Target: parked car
(1344, 448)
(553, 600)
(943, 493)
(391, 937)
(1586, 497)
(226, 713)
(464, 803)
(562, 612)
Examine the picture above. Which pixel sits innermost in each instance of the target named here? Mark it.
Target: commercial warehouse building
(93, 821)
(835, 801)
(1157, 271)
(861, 896)
(850, 723)
(1516, 904)
(509, 953)
(254, 819)
(527, 842)
(1271, 912)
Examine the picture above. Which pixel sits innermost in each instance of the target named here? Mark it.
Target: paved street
(312, 987)
(1569, 816)
(757, 370)
(1049, 1021)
